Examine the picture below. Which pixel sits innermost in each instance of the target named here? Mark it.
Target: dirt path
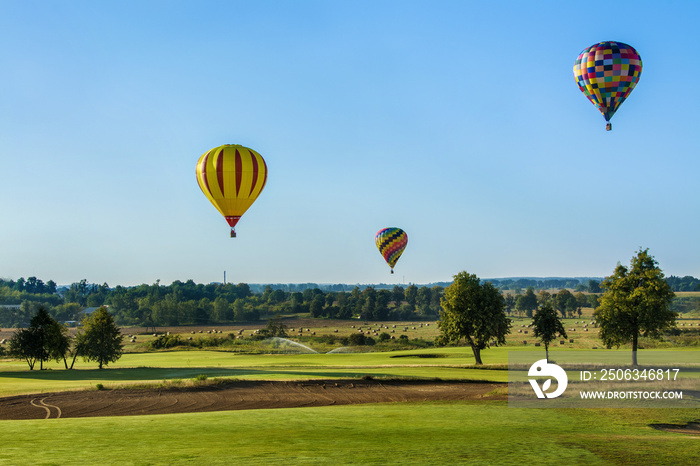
(237, 395)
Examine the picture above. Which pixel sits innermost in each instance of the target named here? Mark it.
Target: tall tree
(474, 312)
(527, 302)
(565, 302)
(546, 325)
(101, 340)
(44, 339)
(410, 295)
(636, 301)
(24, 345)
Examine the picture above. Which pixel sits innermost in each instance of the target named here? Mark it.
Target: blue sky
(458, 121)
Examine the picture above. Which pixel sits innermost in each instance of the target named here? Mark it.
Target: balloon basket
(392, 270)
(608, 126)
(233, 233)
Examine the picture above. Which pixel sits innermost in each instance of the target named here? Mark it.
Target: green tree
(565, 302)
(275, 328)
(546, 325)
(316, 306)
(101, 339)
(411, 294)
(44, 339)
(397, 295)
(526, 302)
(510, 303)
(24, 345)
(474, 312)
(636, 301)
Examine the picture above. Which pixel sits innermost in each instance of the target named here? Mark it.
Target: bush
(359, 339)
(167, 341)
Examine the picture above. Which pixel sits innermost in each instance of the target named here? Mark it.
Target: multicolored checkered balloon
(391, 242)
(606, 73)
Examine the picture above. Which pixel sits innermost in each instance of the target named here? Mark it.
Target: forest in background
(189, 303)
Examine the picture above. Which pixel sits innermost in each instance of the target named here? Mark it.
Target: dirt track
(236, 395)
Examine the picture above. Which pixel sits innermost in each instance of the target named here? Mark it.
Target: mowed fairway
(403, 433)
(139, 368)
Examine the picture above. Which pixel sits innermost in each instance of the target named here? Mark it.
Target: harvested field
(237, 395)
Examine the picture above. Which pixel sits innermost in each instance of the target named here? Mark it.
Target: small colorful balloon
(606, 73)
(391, 243)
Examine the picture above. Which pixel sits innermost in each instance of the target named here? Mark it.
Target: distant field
(309, 331)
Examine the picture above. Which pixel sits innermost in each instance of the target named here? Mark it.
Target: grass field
(484, 432)
(142, 368)
(416, 433)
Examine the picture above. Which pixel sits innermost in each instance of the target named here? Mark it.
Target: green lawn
(452, 363)
(399, 433)
(156, 367)
(484, 432)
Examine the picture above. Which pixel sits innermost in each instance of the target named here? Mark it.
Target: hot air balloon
(232, 177)
(391, 242)
(606, 73)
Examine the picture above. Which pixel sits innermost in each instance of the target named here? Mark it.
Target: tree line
(188, 303)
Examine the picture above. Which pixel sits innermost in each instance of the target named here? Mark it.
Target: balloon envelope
(391, 242)
(606, 73)
(231, 177)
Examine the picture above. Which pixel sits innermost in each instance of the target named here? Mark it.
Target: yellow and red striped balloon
(391, 243)
(231, 177)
